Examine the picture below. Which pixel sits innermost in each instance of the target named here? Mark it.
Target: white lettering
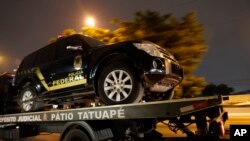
(112, 113)
(85, 115)
(98, 115)
(53, 116)
(70, 116)
(62, 116)
(29, 118)
(239, 132)
(79, 115)
(91, 113)
(57, 116)
(105, 114)
(7, 119)
(121, 113)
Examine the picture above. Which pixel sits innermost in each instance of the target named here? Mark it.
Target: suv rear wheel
(119, 84)
(27, 99)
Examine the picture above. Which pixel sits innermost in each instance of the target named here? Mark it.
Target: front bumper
(164, 76)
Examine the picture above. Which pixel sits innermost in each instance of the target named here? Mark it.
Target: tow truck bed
(102, 123)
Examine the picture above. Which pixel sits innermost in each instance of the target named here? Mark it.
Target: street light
(90, 22)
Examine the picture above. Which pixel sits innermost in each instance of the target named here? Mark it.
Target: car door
(44, 60)
(68, 70)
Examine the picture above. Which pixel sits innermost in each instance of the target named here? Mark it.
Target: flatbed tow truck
(121, 122)
(105, 123)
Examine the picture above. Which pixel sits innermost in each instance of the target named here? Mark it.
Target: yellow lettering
(62, 81)
(66, 80)
(76, 78)
(54, 83)
(71, 79)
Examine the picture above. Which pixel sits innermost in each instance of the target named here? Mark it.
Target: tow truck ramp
(120, 122)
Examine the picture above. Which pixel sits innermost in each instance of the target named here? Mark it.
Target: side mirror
(74, 47)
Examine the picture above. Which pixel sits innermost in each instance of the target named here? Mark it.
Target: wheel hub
(118, 85)
(27, 100)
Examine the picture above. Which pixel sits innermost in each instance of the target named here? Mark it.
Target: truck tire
(214, 131)
(119, 84)
(170, 94)
(76, 135)
(28, 98)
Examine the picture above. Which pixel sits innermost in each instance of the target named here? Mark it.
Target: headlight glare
(150, 48)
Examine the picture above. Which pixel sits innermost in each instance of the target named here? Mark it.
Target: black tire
(170, 94)
(214, 131)
(29, 94)
(76, 135)
(126, 88)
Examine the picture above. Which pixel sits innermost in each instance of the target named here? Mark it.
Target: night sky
(26, 25)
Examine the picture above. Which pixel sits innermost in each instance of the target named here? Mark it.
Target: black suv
(77, 66)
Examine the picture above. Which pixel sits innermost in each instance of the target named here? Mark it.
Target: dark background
(26, 25)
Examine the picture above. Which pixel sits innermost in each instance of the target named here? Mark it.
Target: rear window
(93, 42)
(62, 50)
(28, 61)
(45, 55)
(39, 57)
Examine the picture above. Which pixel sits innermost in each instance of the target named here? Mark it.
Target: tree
(209, 90)
(181, 37)
(102, 34)
(66, 32)
(191, 86)
(221, 89)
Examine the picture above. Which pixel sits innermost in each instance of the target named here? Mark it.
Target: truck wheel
(27, 99)
(76, 135)
(119, 84)
(169, 94)
(214, 131)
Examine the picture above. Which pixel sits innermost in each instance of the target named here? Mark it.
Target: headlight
(150, 48)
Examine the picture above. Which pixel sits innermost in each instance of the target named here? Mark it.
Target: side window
(76, 42)
(45, 55)
(28, 61)
(69, 47)
(61, 50)
(93, 42)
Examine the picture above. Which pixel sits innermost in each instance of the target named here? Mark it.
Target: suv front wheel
(119, 84)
